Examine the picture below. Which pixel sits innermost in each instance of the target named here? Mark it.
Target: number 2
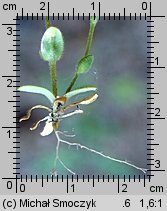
(43, 5)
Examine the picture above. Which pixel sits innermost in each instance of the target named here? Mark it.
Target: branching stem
(88, 45)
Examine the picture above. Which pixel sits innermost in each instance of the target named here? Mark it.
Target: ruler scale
(139, 191)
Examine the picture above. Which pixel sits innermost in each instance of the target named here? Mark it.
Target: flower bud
(52, 45)
(84, 64)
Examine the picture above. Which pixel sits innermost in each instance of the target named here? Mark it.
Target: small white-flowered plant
(52, 47)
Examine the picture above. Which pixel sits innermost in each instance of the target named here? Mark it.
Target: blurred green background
(115, 124)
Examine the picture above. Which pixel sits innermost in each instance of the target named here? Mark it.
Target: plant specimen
(52, 47)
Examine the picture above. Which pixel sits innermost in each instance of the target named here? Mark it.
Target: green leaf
(38, 90)
(80, 90)
(84, 64)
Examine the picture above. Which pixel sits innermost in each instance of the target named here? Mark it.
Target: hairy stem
(52, 66)
(90, 37)
(72, 83)
(47, 22)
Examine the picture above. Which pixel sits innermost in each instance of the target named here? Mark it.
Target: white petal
(48, 129)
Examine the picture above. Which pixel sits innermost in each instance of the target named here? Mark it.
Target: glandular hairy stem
(72, 83)
(52, 66)
(90, 37)
(47, 22)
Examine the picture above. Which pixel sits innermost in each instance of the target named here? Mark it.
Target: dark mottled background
(115, 124)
